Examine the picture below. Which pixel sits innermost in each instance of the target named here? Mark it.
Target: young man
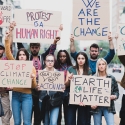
(94, 53)
(38, 62)
(4, 94)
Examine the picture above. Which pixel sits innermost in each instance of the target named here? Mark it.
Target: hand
(70, 76)
(110, 37)
(113, 97)
(56, 40)
(71, 38)
(9, 88)
(81, 104)
(38, 87)
(63, 87)
(61, 27)
(116, 36)
(12, 25)
(32, 76)
(93, 106)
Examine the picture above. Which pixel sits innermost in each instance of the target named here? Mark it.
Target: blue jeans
(21, 102)
(82, 115)
(51, 116)
(109, 117)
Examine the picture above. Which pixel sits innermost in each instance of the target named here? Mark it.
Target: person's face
(49, 61)
(81, 60)
(62, 57)
(34, 50)
(1, 52)
(22, 56)
(102, 66)
(94, 52)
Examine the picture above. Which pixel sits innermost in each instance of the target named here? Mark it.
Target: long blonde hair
(97, 64)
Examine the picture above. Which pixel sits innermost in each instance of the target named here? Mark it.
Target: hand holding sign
(12, 25)
(71, 38)
(61, 27)
(93, 106)
(70, 76)
(56, 40)
(113, 97)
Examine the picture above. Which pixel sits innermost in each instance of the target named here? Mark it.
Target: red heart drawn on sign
(1, 21)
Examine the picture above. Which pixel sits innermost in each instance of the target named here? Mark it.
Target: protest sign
(5, 15)
(121, 39)
(51, 80)
(90, 90)
(15, 73)
(36, 25)
(91, 19)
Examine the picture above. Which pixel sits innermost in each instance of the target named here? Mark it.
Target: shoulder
(70, 68)
(90, 72)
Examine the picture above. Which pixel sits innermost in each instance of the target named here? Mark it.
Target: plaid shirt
(114, 91)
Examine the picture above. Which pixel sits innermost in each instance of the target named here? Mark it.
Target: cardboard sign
(36, 25)
(51, 80)
(5, 15)
(91, 19)
(121, 39)
(90, 90)
(15, 73)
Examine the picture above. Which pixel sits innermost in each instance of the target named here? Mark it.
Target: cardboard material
(5, 15)
(90, 90)
(91, 19)
(51, 80)
(121, 39)
(36, 26)
(15, 73)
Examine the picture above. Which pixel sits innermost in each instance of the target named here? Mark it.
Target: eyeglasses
(50, 61)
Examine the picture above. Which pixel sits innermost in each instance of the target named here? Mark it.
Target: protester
(108, 112)
(50, 112)
(38, 62)
(21, 97)
(94, 52)
(62, 64)
(4, 95)
(81, 68)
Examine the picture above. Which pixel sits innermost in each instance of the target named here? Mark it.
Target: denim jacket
(114, 91)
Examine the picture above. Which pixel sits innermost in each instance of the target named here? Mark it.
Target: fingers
(61, 27)
(72, 38)
(70, 76)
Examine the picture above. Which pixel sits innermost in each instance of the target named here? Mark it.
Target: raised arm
(7, 47)
(111, 52)
(34, 84)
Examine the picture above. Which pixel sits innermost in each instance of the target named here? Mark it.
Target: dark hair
(25, 51)
(94, 45)
(85, 66)
(35, 44)
(58, 62)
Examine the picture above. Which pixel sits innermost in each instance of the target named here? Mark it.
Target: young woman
(48, 111)
(81, 68)
(62, 64)
(108, 112)
(21, 97)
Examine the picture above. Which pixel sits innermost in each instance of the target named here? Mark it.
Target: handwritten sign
(36, 25)
(121, 39)
(51, 80)
(15, 73)
(90, 90)
(91, 19)
(5, 15)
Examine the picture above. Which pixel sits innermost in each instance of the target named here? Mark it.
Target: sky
(65, 6)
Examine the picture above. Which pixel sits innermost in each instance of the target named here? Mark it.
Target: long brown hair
(85, 66)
